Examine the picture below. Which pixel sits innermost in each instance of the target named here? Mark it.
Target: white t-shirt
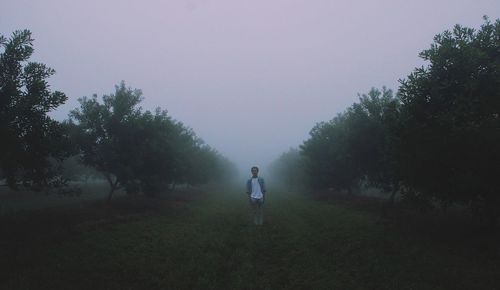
(256, 191)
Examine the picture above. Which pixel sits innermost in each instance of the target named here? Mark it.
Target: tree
(356, 145)
(224, 171)
(450, 119)
(288, 170)
(104, 134)
(141, 152)
(152, 153)
(372, 124)
(328, 160)
(32, 143)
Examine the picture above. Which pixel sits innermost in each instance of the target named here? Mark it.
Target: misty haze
(203, 144)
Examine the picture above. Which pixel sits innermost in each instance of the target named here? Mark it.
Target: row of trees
(141, 151)
(435, 141)
(287, 171)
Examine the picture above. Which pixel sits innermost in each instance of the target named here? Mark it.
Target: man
(256, 191)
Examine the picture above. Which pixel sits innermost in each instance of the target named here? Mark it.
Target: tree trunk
(113, 185)
(110, 195)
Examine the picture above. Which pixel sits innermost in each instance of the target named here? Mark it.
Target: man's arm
(249, 187)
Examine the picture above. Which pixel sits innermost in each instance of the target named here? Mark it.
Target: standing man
(256, 191)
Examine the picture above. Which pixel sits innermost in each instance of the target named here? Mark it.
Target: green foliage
(102, 133)
(327, 158)
(31, 141)
(371, 124)
(117, 139)
(450, 117)
(142, 151)
(288, 170)
(225, 170)
(355, 145)
(436, 142)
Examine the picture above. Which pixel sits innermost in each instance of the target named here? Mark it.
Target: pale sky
(250, 77)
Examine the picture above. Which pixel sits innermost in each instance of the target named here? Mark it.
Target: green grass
(209, 243)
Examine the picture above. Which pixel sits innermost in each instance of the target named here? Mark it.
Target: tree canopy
(141, 151)
(450, 117)
(436, 141)
(32, 142)
(354, 145)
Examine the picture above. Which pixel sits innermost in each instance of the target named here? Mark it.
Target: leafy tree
(288, 169)
(224, 171)
(450, 118)
(202, 165)
(154, 153)
(32, 143)
(372, 124)
(142, 152)
(104, 134)
(356, 145)
(188, 155)
(198, 163)
(328, 160)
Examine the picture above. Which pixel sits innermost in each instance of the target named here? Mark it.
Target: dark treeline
(435, 142)
(140, 151)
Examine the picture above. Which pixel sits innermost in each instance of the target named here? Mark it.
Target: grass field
(204, 240)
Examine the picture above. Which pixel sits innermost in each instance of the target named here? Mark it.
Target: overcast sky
(250, 77)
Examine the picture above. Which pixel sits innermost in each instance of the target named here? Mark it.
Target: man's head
(255, 171)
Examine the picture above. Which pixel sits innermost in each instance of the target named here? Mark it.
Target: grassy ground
(204, 240)
(12, 201)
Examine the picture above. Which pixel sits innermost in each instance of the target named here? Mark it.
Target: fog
(250, 77)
